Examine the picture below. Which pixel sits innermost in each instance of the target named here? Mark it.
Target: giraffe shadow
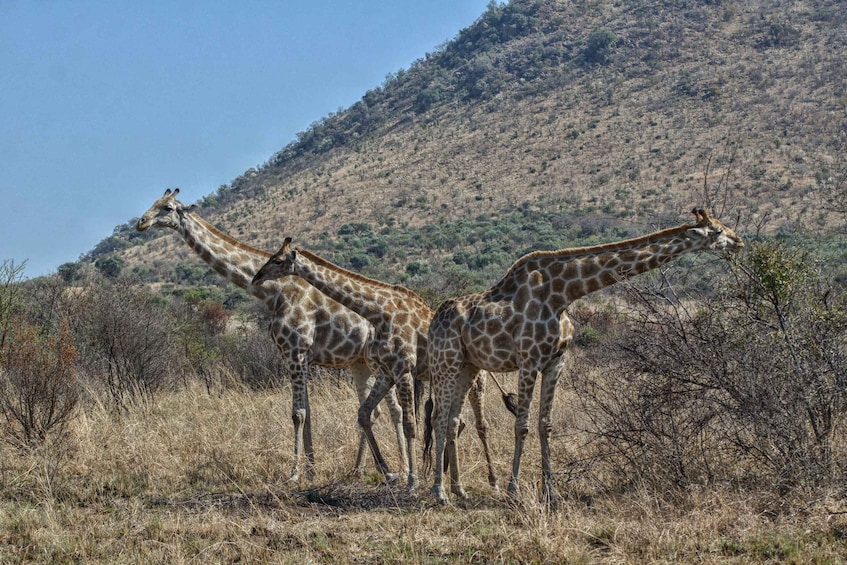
(334, 497)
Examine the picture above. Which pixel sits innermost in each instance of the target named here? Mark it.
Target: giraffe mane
(228, 238)
(361, 278)
(600, 248)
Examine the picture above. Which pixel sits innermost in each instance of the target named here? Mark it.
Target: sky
(105, 104)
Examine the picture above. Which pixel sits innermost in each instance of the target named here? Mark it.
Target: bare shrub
(199, 336)
(747, 383)
(126, 340)
(249, 354)
(38, 384)
(10, 295)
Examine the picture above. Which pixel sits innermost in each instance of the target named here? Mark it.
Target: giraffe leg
(406, 397)
(308, 447)
(549, 379)
(449, 391)
(526, 385)
(396, 413)
(477, 397)
(379, 389)
(299, 401)
(440, 417)
(460, 392)
(361, 377)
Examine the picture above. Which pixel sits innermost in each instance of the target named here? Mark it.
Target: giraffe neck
(369, 298)
(231, 259)
(574, 273)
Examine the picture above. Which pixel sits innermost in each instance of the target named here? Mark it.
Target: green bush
(599, 47)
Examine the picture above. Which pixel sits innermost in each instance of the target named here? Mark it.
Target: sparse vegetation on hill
(618, 112)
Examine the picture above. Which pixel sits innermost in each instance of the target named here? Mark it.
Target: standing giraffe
(520, 324)
(307, 326)
(398, 352)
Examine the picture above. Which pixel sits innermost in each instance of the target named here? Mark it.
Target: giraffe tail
(419, 392)
(427, 449)
(510, 399)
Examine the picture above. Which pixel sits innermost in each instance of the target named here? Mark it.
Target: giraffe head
(279, 265)
(165, 212)
(712, 235)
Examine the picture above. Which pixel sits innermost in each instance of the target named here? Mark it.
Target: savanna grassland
(201, 477)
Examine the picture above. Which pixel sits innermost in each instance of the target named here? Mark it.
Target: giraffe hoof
(412, 482)
(392, 478)
(459, 492)
(440, 496)
(552, 499)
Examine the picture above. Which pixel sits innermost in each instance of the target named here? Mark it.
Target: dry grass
(202, 478)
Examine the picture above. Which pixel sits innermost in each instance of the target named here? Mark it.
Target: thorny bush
(746, 383)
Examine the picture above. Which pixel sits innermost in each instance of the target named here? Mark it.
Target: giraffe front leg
(299, 401)
(396, 413)
(308, 446)
(379, 389)
(361, 377)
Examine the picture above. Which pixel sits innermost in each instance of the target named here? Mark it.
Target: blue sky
(103, 105)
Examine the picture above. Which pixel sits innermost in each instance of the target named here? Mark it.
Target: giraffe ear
(175, 192)
(284, 249)
(702, 216)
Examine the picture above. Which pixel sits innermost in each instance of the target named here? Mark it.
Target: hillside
(547, 124)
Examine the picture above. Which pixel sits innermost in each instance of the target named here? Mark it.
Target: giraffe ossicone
(307, 326)
(520, 324)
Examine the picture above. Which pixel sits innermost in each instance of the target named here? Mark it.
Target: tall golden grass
(196, 476)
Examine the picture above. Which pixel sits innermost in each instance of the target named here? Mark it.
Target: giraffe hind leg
(549, 380)
(526, 385)
(476, 395)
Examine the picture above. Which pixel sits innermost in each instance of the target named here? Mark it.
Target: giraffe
(307, 326)
(520, 324)
(398, 353)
